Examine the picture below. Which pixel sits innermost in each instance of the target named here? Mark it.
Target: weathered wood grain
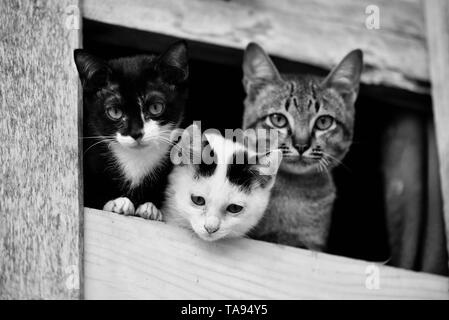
(39, 179)
(433, 251)
(437, 24)
(132, 258)
(318, 32)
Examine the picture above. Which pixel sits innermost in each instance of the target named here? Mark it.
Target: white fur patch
(137, 160)
(120, 205)
(149, 211)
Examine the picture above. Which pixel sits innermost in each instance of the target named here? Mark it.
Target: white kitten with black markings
(223, 199)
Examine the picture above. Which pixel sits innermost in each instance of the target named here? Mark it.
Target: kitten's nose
(136, 135)
(211, 229)
(212, 224)
(302, 147)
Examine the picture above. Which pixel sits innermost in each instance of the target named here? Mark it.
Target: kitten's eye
(278, 120)
(114, 113)
(324, 122)
(234, 208)
(199, 201)
(156, 108)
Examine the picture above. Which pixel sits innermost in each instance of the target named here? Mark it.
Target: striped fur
(314, 118)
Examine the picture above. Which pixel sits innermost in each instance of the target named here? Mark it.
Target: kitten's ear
(173, 63)
(345, 77)
(257, 67)
(93, 71)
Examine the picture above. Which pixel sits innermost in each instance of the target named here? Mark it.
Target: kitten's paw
(149, 211)
(120, 205)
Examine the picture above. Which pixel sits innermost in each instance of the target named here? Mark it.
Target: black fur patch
(313, 89)
(309, 104)
(317, 106)
(207, 166)
(245, 175)
(287, 104)
(292, 88)
(206, 170)
(295, 102)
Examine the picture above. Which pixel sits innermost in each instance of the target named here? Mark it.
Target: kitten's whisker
(98, 137)
(158, 139)
(325, 165)
(160, 136)
(336, 161)
(96, 143)
(162, 133)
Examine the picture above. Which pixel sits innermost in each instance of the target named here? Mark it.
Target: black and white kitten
(131, 107)
(225, 194)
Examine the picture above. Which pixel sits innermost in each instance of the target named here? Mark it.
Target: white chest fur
(137, 163)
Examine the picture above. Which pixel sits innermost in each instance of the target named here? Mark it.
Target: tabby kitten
(314, 118)
(131, 107)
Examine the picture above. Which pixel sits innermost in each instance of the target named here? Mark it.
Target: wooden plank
(317, 32)
(437, 24)
(132, 258)
(40, 207)
(433, 242)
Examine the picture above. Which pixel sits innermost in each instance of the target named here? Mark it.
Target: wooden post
(433, 240)
(437, 23)
(40, 185)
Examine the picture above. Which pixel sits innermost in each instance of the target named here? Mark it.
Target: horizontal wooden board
(132, 258)
(318, 32)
